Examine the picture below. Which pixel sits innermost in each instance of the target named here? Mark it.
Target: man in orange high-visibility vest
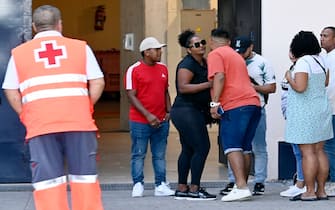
(53, 82)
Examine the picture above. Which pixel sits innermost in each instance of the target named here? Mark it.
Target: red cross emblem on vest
(50, 54)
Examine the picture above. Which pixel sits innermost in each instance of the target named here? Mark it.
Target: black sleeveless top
(200, 99)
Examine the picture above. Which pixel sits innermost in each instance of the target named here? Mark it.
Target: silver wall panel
(15, 28)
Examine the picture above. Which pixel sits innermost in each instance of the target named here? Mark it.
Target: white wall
(281, 20)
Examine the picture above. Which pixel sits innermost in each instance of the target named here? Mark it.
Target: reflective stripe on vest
(52, 93)
(83, 178)
(50, 79)
(49, 183)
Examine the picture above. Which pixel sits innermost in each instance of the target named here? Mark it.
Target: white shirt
(261, 71)
(330, 63)
(307, 63)
(93, 70)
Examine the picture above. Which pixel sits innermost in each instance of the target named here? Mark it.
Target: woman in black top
(190, 115)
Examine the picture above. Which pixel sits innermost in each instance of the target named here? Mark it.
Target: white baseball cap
(150, 42)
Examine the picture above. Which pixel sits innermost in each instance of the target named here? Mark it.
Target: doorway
(114, 144)
(242, 17)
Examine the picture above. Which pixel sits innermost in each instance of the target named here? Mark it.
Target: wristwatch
(214, 104)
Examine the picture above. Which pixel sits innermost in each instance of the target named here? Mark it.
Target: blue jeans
(259, 150)
(298, 160)
(141, 134)
(329, 148)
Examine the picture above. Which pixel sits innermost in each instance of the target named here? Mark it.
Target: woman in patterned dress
(309, 116)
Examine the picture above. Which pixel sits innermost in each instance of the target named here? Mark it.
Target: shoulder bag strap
(323, 68)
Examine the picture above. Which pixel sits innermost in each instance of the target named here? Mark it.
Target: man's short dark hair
(332, 28)
(220, 33)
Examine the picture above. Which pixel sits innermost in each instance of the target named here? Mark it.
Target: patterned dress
(309, 115)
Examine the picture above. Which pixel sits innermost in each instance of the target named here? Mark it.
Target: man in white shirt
(327, 39)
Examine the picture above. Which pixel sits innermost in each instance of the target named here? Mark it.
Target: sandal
(323, 198)
(300, 198)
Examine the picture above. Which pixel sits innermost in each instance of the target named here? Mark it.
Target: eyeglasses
(198, 44)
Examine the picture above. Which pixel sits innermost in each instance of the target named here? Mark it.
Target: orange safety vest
(53, 84)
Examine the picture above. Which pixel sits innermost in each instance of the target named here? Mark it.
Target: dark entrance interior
(241, 17)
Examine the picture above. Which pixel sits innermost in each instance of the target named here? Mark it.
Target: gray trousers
(53, 155)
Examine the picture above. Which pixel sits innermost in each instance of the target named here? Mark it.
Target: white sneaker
(237, 195)
(163, 190)
(330, 189)
(293, 191)
(137, 190)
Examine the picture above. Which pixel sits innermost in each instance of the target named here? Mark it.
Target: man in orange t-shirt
(233, 93)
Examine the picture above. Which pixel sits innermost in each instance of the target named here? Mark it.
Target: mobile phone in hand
(220, 110)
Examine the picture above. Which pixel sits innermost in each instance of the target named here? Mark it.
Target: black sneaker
(259, 189)
(227, 189)
(200, 195)
(179, 195)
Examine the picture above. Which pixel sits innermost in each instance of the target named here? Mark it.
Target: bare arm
(266, 89)
(168, 105)
(184, 86)
(218, 82)
(14, 98)
(95, 89)
(300, 81)
(327, 79)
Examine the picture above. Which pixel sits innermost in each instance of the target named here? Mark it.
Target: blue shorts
(237, 128)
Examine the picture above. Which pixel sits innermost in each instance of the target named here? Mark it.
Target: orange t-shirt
(237, 89)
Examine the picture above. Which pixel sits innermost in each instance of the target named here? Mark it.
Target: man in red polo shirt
(146, 83)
